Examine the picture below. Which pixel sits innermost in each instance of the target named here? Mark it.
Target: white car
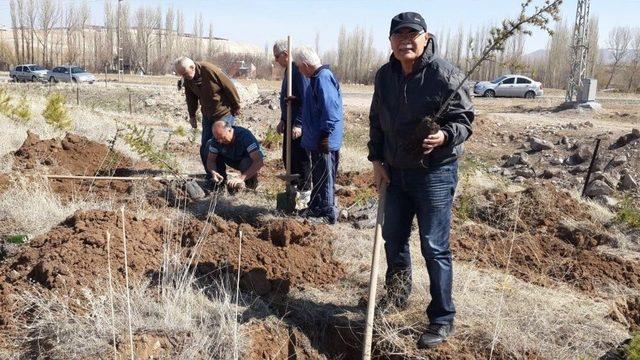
(28, 72)
(68, 73)
(509, 86)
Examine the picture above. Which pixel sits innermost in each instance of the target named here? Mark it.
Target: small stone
(583, 154)
(597, 188)
(526, 173)
(618, 160)
(540, 144)
(513, 160)
(627, 182)
(194, 190)
(551, 173)
(607, 201)
(66, 145)
(556, 161)
(600, 176)
(578, 169)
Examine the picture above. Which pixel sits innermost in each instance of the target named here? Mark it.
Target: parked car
(66, 73)
(28, 72)
(509, 86)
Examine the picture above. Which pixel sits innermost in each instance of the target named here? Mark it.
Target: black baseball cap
(407, 19)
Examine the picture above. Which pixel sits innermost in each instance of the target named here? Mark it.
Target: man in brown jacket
(206, 84)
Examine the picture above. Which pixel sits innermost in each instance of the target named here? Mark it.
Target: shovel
(286, 201)
(373, 280)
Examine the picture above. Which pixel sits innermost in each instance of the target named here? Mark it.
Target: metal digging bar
(286, 201)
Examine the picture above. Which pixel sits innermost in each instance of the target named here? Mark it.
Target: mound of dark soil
(73, 155)
(73, 255)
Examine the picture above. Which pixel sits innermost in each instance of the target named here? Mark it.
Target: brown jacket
(215, 91)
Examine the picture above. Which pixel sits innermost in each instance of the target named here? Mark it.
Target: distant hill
(605, 55)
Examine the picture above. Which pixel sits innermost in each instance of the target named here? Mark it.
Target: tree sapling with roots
(541, 17)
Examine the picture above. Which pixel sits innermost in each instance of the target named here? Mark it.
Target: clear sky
(262, 22)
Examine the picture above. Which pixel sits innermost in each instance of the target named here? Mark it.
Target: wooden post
(77, 93)
(105, 75)
(373, 280)
(130, 106)
(289, 132)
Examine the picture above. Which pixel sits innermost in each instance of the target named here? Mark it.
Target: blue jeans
(207, 134)
(427, 194)
(324, 169)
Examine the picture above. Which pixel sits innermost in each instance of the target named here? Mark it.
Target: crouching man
(236, 147)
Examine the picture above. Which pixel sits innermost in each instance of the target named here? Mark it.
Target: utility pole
(579, 50)
(118, 48)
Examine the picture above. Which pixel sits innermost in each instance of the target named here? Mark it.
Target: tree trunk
(613, 72)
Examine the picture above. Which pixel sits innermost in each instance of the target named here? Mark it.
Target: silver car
(509, 86)
(28, 72)
(68, 73)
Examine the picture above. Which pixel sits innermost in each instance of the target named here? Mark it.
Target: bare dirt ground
(540, 272)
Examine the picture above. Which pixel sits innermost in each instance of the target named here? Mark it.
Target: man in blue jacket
(322, 132)
(300, 160)
(413, 86)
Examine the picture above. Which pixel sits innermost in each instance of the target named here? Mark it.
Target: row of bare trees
(617, 66)
(51, 32)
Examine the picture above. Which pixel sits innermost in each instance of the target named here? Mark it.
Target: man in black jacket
(413, 85)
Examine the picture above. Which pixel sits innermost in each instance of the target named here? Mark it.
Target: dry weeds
(30, 207)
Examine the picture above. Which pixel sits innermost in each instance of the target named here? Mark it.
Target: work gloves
(323, 145)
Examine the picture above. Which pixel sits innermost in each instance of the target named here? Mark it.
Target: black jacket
(401, 102)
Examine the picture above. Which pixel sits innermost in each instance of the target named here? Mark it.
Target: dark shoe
(315, 217)
(320, 220)
(435, 335)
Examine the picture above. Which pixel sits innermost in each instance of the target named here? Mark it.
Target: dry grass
(552, 323)
(31, 208)
(354, 159)
(199, 320)
(188, 318)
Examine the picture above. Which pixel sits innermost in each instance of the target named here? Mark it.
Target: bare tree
(557, 57)
(49, 16)
(210, 49)
(619, 39)
(179, 31)
(14, 24)
(593, 50)
(22, 21)
(357, 58)
(160, 62)
(110, 25)
(84, 16)
(32, 15)
(71, 24)
(169, 38)
(146, 21)
(634, 63)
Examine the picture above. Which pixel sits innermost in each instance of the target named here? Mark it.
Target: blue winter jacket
(322, 111)
(298, 85)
